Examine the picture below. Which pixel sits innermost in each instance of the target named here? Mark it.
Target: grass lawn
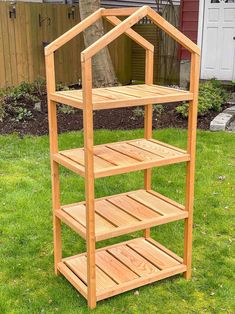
(27, 281)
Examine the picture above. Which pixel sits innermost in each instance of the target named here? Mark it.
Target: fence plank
(6, 45)
(2, 61)
(12, 47)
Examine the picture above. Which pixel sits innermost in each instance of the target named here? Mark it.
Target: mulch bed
(114, 119)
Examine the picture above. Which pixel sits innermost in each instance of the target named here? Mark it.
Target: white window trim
(200, 23)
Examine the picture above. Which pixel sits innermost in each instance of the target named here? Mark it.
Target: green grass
(27, 281)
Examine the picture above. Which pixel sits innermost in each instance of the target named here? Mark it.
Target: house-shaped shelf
(99, 274)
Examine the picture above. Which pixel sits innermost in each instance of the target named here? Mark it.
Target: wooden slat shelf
(124, 213)
(123, 96)
(121, 157)
(123, 267)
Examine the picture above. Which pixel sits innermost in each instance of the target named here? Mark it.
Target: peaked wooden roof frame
(121, 27)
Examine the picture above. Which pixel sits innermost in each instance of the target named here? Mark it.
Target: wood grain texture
(121, 267)
(148, 119)
(123, 96)
(190, 175)
(79, 267)
(121, 157)
(152, 253)
(53, 135)
(123, 213)
(133, 260)
(89, 181)
(79, 214)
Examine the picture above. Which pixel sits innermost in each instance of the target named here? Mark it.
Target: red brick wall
(189, 23)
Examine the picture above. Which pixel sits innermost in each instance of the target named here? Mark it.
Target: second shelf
(123, 213)
(121, 157)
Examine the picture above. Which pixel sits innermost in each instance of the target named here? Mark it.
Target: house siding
(189, 13)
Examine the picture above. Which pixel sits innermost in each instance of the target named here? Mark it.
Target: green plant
(22, 90)
(40, 86)
(2, 110)
(138, 112)
(211, 96)
(13, 100)
(33, 98)
(22, 114)
(61, 86)
(159, 109)
(66, 109)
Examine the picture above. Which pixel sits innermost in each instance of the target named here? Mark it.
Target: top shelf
(123, 96)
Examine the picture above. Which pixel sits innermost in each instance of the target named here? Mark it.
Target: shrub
(211, 96)
(18, 101)
(2, 110)
(159, 109)
(66, 109)
(23, 114)
(14, 100)
(138, 112)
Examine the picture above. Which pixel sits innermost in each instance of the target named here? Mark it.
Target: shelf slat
(122, 267)
(123, 96)
(121, 157)
(124, 213)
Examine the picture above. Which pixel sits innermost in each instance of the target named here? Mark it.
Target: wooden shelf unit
(99, 274)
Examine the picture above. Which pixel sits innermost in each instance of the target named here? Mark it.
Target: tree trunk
(103, 70)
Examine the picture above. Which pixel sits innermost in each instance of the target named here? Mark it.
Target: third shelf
(121, 157)
(123, 213)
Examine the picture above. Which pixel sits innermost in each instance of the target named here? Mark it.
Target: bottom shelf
(123, 267)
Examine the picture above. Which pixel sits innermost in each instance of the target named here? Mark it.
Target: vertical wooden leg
(147, 186)
(56, 221)
(91, 273)
(89, 182)
(188, 225)
(53, 133)
(148, 172)
(148, 122)
(190, 174)
(90, 222)
(55, 184)
(192, 127)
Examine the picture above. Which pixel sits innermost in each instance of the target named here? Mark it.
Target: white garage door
(218, 43)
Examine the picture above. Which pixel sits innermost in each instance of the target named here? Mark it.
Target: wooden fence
(22, 41)
(24, 34)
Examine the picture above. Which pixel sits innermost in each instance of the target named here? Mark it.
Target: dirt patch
(115, 119)
(35, 120)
